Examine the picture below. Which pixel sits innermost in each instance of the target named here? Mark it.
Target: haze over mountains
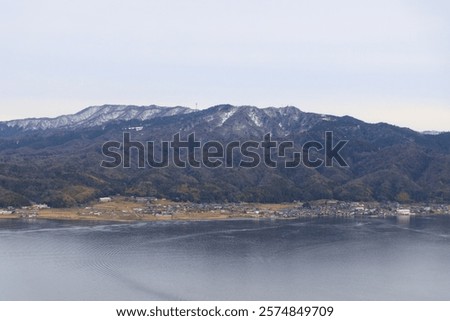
(57, 160)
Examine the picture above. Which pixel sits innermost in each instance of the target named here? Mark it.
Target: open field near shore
(123, 209)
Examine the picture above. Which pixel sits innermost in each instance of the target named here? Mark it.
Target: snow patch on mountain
(431, 132)
(255, 118)
(224, 116)
(98, 116)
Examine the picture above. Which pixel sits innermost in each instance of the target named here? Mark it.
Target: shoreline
(125, 209)
(115, 219)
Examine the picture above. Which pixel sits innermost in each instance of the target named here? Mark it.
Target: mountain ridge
(102, 114)
(96, 116)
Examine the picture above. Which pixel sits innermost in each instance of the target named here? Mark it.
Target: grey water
(303, 259)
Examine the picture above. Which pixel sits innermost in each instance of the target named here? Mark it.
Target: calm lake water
(305, 259)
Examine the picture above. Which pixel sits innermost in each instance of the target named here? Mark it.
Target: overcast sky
(381, 60)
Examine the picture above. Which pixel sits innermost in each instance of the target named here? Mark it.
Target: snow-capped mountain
(97, 116)
(227, 120)
(247, 120)
(237, 119)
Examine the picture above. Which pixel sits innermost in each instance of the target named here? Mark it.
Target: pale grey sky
(377, 60)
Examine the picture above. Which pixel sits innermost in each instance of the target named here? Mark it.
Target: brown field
(122, 209)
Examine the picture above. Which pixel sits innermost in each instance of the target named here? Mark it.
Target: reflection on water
(404, 219)
(404, 258)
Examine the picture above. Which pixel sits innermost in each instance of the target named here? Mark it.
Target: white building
(40, 206)
(403, 211)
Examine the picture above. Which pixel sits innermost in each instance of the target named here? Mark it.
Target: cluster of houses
(163, 208)
(370, 209)
(24, 211)
(153, 206)
(231, 209)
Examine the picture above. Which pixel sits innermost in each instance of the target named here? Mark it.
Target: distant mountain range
(96, 116)
(57, 160)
